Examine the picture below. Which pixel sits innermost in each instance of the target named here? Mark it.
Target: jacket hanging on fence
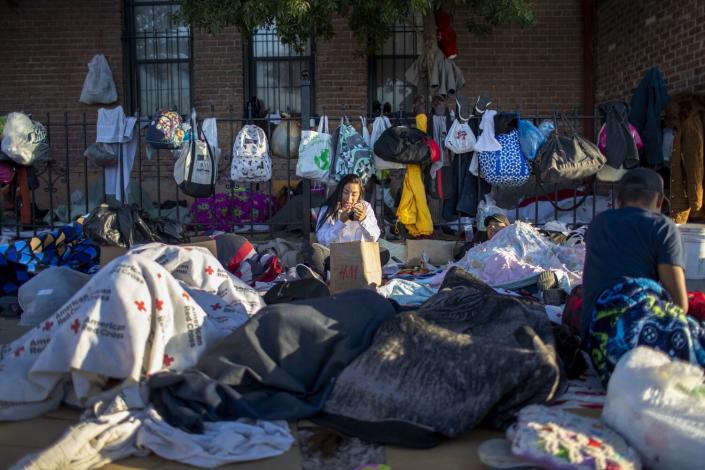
(649, 99)
(444, 76)
(685, 113)
(621, 150)
(413, 209)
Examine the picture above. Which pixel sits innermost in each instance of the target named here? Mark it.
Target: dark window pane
(277, 71)
(163, 54)
(398, 54)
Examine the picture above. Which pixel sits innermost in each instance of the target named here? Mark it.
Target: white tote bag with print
(315, 152)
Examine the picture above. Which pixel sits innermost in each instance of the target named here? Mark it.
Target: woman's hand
(360, 212)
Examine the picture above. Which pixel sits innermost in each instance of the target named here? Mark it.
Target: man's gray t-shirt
(626, 243)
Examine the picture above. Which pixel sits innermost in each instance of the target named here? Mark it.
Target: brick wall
(46, 46)
(536, 68)
(634, 36)
(341, 76)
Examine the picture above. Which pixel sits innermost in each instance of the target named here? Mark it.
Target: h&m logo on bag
(349, 272)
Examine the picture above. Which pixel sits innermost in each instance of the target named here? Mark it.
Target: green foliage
(371, 21)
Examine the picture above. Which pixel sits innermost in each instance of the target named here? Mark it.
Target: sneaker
(483, 101)
(304, 272)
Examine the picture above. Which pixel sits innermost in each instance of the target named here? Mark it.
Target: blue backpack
(507, 166)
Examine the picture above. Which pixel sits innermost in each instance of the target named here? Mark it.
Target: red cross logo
(140, 305)
(185, 296)
(210, 271)
(215, 307)
(18, 351)
(166, 362)
(75, 326)
(158, 304)
(48, 325)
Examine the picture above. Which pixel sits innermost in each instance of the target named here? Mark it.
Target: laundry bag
(99, 86)
(315, 152)
(658, 404)
(251, 162)
(25, 141)
(507, 166)
(286, 139)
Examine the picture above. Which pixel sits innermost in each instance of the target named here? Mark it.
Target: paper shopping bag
(354, 265)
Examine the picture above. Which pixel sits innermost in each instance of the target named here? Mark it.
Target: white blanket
(124, 427)
(158, 307)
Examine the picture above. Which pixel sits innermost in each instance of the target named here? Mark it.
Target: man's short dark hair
(637, 195)
(640, 185)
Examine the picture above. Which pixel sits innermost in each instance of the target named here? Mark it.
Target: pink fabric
(602, 138)
(7, 172)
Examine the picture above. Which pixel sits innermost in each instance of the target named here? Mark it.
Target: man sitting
(634, 280)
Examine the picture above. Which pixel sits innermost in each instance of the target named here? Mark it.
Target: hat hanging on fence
(445, 34)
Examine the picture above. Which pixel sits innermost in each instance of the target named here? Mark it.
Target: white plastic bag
(209, 128)
(460, 138)
(315, 152)
(24, 141)
(475, 165)
(99, 86)
(379, 125)
(658, 405)
(485, 209)
(365, 131)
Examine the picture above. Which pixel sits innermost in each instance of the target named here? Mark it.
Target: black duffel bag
(402, 144)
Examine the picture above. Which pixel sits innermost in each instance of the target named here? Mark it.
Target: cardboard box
(109, 253)
(440, 252)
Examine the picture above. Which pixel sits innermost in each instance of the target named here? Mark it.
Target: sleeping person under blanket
(344, 217)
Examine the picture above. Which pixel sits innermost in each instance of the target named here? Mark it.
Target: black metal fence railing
(68, 186)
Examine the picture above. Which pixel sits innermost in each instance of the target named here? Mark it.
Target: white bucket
(693, 236)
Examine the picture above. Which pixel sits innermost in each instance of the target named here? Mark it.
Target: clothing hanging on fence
(114, 127)
(649, 99)
(413, 209)
(444, 75)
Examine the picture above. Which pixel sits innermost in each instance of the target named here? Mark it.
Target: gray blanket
(281, 364)
(467, 356)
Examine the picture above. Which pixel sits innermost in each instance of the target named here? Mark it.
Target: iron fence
(68, 186)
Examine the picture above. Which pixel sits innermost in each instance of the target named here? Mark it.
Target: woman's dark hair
(332, 204)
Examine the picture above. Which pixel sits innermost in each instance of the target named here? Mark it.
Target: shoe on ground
(304, 272)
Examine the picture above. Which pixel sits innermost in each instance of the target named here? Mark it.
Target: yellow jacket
(413, 209)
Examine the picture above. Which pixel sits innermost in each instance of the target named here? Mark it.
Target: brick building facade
(633, 36)
(47, 44)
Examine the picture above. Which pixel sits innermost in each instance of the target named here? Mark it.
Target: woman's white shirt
(350, 231)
